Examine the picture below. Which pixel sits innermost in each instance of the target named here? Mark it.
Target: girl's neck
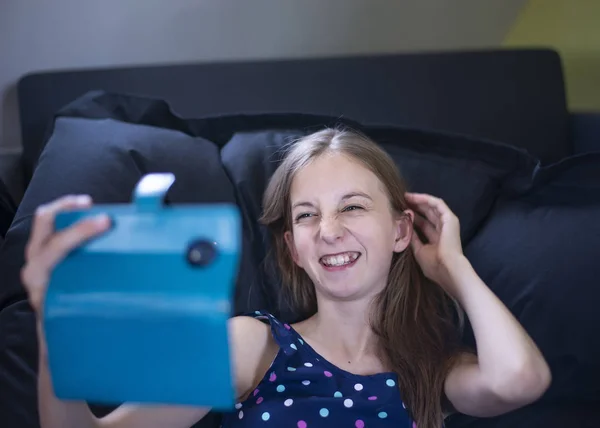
(342, 331)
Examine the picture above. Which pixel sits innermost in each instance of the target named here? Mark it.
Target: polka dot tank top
(303, 390)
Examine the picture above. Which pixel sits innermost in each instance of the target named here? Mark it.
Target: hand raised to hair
(441, 228)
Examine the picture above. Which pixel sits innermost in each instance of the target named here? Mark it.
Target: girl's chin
(343, 291)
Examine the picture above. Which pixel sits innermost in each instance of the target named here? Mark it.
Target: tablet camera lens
(201, 253)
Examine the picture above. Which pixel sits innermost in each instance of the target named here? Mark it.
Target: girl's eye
(303, 216)
(352, 208)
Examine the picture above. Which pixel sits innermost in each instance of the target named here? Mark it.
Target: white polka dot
(301, 341)
(348, 403)
(358, 387)
(390, 382)
(288, 402)
(241, 414)
(306, 382)
(293, 346)
(308, 364)
(238, 406)
(266, 416)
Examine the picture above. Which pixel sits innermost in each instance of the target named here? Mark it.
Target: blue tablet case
(139, 313)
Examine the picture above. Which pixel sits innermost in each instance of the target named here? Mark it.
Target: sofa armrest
(585, 132)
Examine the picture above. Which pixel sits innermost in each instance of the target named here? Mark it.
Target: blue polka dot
(390, 382)
(266, 416)
(382, 415)
(280, 388)
(301, 341)
(324, 412)
(257, 312)
(337, 394)
(293, 346)
(291, 369)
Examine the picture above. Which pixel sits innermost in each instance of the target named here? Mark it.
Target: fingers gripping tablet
(139, 313)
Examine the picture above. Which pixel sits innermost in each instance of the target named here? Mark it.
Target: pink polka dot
(273, 377)
(287, 326)
(328, 374)
(373, 398)
(414, 425)
(260, 400)
(359, 424)
(255, 392)
(302, 424)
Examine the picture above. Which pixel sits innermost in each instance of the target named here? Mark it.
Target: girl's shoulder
(253, 349)
(257, 338)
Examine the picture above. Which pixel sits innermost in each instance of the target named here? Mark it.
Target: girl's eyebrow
(344, 198)
(302, 204)
(356, 193)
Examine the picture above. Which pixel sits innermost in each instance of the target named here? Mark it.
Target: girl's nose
(331, 230)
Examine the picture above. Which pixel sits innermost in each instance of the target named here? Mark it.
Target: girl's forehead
(333, 165)
(335, 177)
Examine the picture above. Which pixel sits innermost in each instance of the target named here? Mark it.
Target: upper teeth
(340, 259)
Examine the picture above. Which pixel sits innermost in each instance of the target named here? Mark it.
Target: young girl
(378, 344)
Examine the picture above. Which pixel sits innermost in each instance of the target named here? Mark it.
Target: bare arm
(509, 371)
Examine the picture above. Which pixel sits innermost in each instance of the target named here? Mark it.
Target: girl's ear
(289, 240)
(403, 230)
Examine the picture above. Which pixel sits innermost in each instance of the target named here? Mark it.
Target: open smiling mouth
(339, 261)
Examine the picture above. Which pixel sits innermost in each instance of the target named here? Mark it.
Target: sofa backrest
(510, 96)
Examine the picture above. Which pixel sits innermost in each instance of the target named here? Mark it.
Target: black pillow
(540, 253)
(105, 158)
(467, 173)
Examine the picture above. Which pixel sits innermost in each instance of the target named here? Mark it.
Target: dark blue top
(301, 389)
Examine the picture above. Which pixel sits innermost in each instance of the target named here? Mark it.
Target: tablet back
(139, 314)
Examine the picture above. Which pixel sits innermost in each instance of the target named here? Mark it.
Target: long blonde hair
(414, 319)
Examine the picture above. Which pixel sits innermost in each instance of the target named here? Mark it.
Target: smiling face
(344, 231)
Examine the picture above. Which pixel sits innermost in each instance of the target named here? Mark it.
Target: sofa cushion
(572, 414)
(540, 254)
(18, 366)
(105, 158)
